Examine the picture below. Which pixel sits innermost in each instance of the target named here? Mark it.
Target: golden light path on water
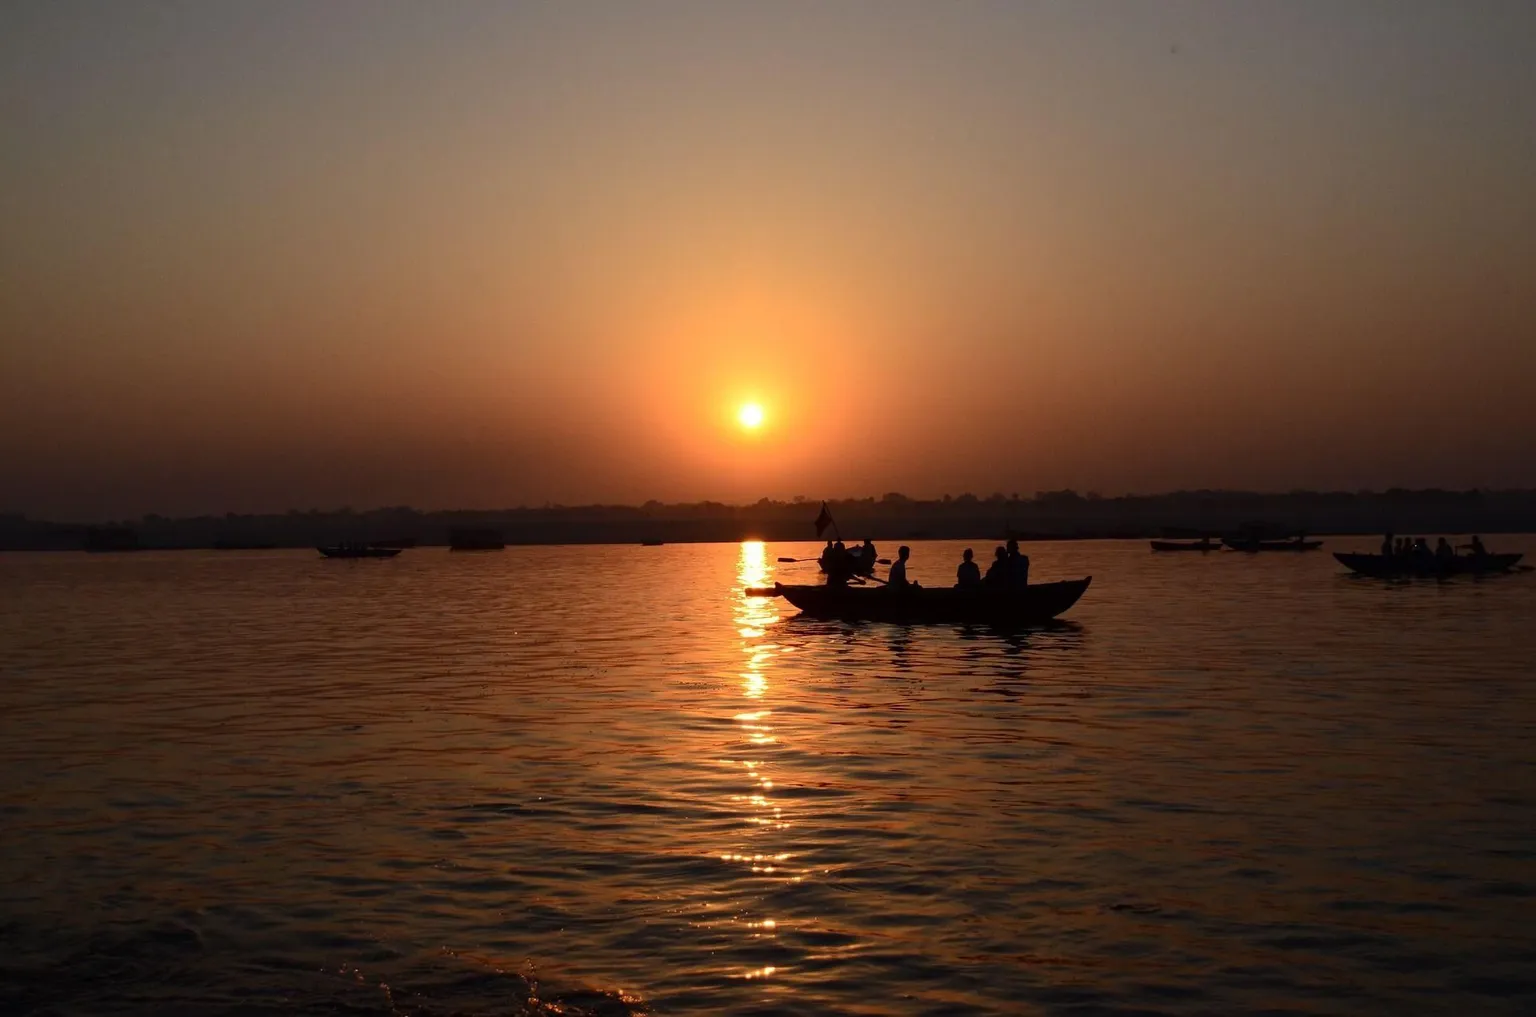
(755, 617)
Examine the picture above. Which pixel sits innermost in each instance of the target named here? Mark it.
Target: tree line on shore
(1044, 515)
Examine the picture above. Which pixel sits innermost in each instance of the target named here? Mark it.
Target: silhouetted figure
(969, 573)
(840, 565)
(897, 579)
(1388, 546)
(997, 572)
(1018, 567)
(826, 558)
(867, 558)
(1444, 550)
(1478, 550)
(1421, 548)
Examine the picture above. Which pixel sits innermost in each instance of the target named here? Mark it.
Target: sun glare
(750, 416)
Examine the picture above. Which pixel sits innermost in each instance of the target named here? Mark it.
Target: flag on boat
(823, 519)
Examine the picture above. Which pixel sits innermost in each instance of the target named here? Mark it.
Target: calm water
(600, 780)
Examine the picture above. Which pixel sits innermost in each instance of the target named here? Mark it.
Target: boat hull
(1273, 545)
(1036, 604)
(1402, 566)
(358, 552)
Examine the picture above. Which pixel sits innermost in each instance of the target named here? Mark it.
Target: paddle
(763, 591)
(792, 561)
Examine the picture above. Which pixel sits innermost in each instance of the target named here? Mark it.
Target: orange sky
(269, 255)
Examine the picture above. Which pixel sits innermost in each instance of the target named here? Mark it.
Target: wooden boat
(1185, 545)
(1032, 605)
(1244, 544)
(467, 539)
(1404, 565)
(652, 543)
(357, 551)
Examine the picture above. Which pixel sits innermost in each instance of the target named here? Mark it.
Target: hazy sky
(271, 254)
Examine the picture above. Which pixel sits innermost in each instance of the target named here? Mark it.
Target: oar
(763, 591)
(792, 561)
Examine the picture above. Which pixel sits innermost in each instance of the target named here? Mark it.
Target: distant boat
(111, 538)
(1033, 605)
(357, 551)
(652, 543)
(1407, 565)
(464, 539)
(1245, 544)
(1184, 545)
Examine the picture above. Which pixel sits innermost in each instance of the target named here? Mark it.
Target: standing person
(897, 578)
(1018, 567)
(969, 573)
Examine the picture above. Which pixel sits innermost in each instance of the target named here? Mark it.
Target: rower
(897, 578)
(969, 573)
(867, 557)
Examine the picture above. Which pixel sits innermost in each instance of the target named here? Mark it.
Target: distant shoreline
(1052, 515)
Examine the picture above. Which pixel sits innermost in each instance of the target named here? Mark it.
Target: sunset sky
(283, 254)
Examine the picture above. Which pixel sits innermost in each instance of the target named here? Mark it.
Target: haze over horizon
(262, 256)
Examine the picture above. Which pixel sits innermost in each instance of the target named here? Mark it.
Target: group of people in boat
(1417, 547)
(1009, 569)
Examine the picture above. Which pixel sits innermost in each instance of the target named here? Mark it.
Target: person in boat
(896, 579)
(1388, 546)
(1478, 550)
(997, 572)
(839, 566)
(1421, 549)
(1444, 550)
(867, 557)
(826, 557)
(969, 573)
(1018, 567)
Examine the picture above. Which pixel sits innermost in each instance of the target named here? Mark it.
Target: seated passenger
(1444, 550)
(997, 572)
(1018, 567)
(839, 565)
(1478, 550)
(1388, 548)
(897, 578)
(969, 573)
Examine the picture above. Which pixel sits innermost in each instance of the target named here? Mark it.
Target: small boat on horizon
(467, 539)
(1205, 544)
(1034, 605)
(1253, 546)
(356, 551)
(652, 543)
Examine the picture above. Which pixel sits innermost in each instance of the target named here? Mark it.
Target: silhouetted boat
(1032, 605)
(1398, 565)
(1244, 544)
(652, 543)
(1184, 545)
(463, 539)
(111, 538)
(357, 551)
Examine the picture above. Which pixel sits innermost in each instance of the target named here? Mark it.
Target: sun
(750, 416)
